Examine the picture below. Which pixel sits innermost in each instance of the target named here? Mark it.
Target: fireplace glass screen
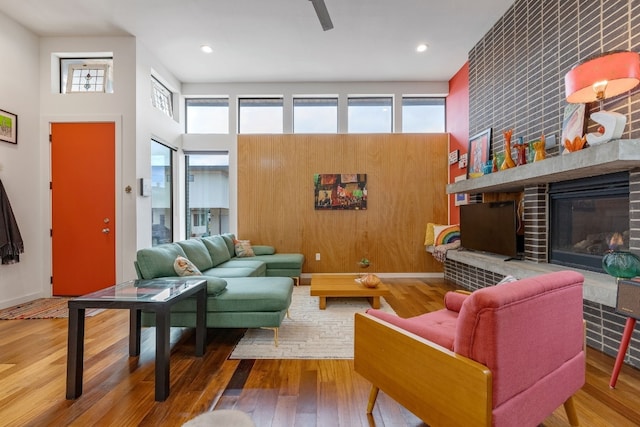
(585, 216)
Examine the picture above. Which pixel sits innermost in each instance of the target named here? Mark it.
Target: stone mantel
(610, 157)
(598, 287)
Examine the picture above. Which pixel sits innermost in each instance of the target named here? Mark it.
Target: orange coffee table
(344, 285)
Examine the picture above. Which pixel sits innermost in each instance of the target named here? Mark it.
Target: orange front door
(83, 207)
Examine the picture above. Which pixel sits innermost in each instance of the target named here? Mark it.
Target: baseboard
(305, 278)
(24, 298)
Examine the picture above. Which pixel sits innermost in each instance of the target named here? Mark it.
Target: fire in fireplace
(584, 215)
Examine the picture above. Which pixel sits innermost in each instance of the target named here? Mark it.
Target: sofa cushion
(217, 248)
(259, 267)
(234, 271)
(184, 267)
(215, 285)
(197, 253)
(243, 248)
(263, 250)
(158, 261)
(249, 294)
(287, 261)
(228, 239)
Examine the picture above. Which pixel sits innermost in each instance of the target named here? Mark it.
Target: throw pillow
(184, 267)
(243, 248)
(429, 237)
(444, 234)
(507, 279)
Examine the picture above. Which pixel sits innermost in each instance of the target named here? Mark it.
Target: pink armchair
(506, 355)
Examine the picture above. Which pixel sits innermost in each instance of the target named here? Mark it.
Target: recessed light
(206, 48)
(422, 47)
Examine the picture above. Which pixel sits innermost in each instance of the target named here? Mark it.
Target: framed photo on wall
(8, 127)
(479, 152)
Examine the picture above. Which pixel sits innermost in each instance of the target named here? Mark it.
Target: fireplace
(584, 214)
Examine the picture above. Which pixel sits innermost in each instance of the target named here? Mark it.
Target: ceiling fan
(323, 14)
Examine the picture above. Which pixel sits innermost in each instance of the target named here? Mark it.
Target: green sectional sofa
(243, 292)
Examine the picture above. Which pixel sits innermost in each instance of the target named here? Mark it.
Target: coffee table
(156, 295)
(344, 285)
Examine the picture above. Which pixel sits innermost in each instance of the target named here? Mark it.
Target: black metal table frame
(162, 310)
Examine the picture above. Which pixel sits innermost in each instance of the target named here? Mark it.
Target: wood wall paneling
(406, 179)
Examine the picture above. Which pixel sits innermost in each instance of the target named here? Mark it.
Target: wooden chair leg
(373, 395)
(570, 409)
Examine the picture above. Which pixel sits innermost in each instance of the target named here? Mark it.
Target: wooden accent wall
(406, 179)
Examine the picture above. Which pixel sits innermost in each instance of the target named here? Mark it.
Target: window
(161, 193)
(370, 115)
(315, 115)
(86, 75)
(422, 115)
(207, 193)
(260, 115)
(161, 97)
(207, 115)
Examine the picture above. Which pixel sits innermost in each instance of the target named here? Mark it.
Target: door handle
(106, 230)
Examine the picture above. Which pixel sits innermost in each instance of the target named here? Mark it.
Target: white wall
(20, 169)
(153, 124)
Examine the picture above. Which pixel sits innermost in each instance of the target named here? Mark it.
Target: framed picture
(573, 122)
(479, 152)
(461, 199)
(8, 127)
(340, 191)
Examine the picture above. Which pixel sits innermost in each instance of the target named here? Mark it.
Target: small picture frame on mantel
(8, 127)
(478, 152)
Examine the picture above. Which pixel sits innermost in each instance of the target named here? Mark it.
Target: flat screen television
(489, 227)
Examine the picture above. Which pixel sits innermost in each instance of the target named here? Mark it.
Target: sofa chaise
(243, 292)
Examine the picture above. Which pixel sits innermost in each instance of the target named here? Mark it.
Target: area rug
(311, 333)
(43, 308)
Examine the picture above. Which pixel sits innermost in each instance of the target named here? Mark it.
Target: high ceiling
(279, 40)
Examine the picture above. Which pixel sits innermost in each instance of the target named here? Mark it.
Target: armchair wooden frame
(437, 385)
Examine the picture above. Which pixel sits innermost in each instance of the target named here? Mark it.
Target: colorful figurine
(508, 160)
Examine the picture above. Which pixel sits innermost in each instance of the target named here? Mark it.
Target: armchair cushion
(438, 326)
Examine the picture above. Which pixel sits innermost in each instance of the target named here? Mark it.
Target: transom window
(207, 115)
(370, 115)
(86, 75)
(260, 115)
(315, 115)
(423, 115)
(161, 97)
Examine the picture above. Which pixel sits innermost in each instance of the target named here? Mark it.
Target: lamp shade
(619, 71)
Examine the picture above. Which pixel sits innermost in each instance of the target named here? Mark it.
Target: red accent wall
(457, 107)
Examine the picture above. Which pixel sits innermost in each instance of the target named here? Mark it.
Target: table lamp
(598, 78)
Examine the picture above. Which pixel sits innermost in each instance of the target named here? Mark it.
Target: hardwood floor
(119, 390)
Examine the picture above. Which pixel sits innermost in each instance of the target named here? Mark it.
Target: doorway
(82, 207)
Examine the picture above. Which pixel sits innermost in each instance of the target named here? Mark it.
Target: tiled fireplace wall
(516, 81)
(604, 325)
(516, 71)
